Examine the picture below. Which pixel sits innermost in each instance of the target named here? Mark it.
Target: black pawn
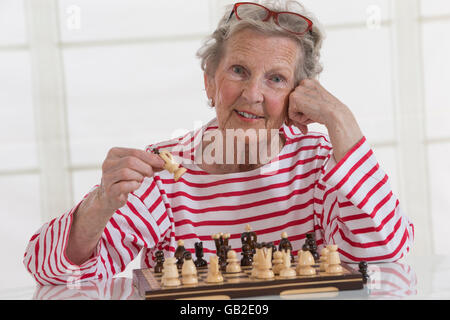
(159, 261)
(286, 245)
(247, 255)
(179, 255)
(363, 269)
(312, 245)
(199, 262)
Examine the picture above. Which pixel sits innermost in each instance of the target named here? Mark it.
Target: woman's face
(255, 76)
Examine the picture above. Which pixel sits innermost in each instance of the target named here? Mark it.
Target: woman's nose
(252, 91)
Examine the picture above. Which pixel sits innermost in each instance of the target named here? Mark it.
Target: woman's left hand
(310, 102)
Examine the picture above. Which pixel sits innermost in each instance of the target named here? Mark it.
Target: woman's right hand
(123, 171)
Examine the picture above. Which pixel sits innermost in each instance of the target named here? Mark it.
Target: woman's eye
(238, 69)
(277, 79)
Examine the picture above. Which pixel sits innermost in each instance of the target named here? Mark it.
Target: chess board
(242, 285)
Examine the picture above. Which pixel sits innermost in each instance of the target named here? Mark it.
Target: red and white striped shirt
(302, 190)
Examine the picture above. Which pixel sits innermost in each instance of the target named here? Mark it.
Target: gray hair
(310, 43)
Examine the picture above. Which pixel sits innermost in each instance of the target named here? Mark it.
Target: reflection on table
(387, 281)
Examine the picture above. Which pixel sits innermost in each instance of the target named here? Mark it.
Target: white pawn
(323, 262)
(189, 271)
(334, 262)
(170, 273)
(233, 264)
(277, 262)
(287, 271)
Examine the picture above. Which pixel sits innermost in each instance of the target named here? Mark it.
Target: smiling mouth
(248, 115)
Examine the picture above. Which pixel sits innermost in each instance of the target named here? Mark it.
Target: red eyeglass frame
(273, 14)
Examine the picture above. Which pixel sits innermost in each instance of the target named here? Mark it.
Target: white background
(78, 77)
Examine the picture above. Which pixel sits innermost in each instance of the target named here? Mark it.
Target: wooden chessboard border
(349, 280)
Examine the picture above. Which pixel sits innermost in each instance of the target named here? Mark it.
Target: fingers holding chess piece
(171, 165)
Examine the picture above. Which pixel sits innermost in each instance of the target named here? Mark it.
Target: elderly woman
(260, 69)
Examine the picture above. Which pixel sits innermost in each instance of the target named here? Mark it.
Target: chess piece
(233, 265)
(312, 245)
(255, 262)
(214, 275)
(270, 245)
(264, 263)
(220, 239)
(217, 241)
(226, 238)
(247, 255)
(199, 262)
(223, 252)
(159, 255)
(334, 262)
(363, 269)
(277, 262)
(287, 271)
(188, 271)
(305, 262)
(285, 245)
(171, 165)
(323, 261)
(249, 237)
(170, 273)
(179, 253)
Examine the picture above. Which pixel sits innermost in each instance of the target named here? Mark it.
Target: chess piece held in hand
(171, 165)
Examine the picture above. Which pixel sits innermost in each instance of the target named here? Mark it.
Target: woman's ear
(209, 88)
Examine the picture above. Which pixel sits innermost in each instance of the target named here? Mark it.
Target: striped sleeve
(358, 210)
(140, 223)
(45, 257)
